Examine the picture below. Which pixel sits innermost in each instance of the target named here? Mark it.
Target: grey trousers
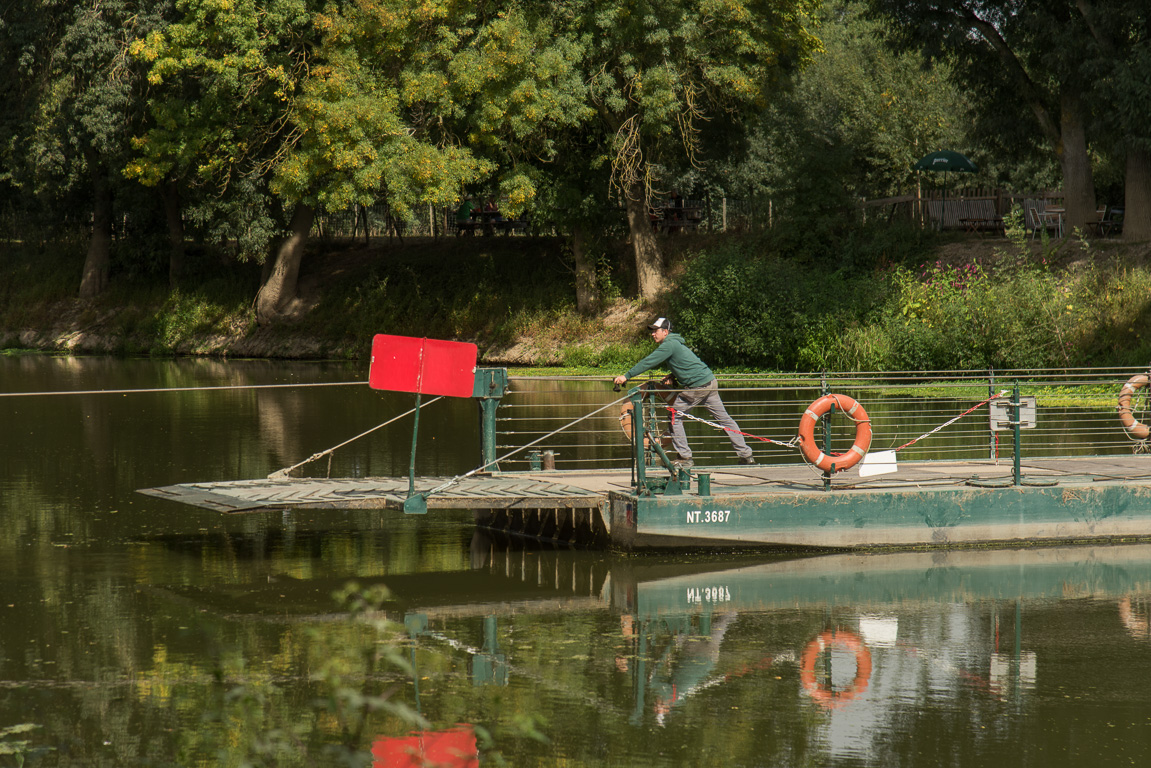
(708, 397)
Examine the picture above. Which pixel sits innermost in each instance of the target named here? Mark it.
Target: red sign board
(426, 366)
(453, 748)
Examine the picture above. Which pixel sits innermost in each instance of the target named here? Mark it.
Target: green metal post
(415, 436)
(488, 408)
(491, 385)
(416, 503)
(1015, 429)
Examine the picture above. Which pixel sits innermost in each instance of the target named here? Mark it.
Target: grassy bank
(883, 298)
(512, 296)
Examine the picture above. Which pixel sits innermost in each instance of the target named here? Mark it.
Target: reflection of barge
(652, 505)
(506, 581)
(842, 629)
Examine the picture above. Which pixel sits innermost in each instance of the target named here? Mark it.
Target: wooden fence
(954, 210)
(717, 214)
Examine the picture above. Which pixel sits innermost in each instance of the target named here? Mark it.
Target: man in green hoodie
(699, 388)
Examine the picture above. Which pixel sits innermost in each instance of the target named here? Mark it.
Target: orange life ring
(626, 412)
(1133, 427)
(840, 461)
(848, 641)
(665, 389)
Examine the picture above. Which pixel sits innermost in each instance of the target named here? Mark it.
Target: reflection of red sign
(427, 366)
(453, 748)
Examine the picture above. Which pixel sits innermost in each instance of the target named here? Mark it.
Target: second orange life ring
(840, 461)
(1130, 423)
(848, 641)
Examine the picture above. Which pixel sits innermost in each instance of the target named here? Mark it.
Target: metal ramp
(480, 492)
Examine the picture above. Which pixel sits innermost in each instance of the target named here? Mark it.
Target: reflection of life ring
(1137, 626)
(1133, 427)
(840, 461)
(848, 641)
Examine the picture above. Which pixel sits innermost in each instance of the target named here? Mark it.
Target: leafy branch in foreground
(18, 748)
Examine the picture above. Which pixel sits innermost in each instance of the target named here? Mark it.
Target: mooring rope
(280, 474)
(180, 389)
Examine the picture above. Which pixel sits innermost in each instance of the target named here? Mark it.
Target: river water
(134, 631)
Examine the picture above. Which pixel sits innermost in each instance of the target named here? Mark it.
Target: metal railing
(1076, 416)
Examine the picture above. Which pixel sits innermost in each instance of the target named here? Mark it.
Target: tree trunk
(173, 212)
(587, 287)
(279, 289)
(648, 260)
(1078, 182)
(1137, 196)
(95, 277)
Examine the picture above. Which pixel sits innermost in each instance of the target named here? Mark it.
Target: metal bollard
(703, 483)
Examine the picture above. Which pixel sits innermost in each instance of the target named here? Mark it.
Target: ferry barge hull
(931, 506)
(873, 519)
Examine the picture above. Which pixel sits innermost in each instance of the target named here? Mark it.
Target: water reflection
(878, 659)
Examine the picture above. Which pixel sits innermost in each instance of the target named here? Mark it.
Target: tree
(370, 99)
(859, 115)
(1008, 53)
(75, 109)
(226, 78)
(1118, 60)
(658, 72)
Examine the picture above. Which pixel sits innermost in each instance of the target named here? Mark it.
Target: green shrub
(743, 309)
(1018, 314)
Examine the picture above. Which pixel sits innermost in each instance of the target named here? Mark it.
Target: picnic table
(489, 222)
(1052, 217)
(675, 219)
(1110, 223)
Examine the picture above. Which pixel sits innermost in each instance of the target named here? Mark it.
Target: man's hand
(619, 381)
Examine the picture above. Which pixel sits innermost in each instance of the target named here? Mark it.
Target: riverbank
(951, 303)
(513, 297)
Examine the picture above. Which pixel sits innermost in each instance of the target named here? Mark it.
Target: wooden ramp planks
(375, 493)
(588, 489)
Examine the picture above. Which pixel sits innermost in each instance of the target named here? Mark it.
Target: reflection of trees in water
(535, 407)
(278, 415)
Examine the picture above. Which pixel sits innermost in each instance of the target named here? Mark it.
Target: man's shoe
(747, 461)
(684, 464)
